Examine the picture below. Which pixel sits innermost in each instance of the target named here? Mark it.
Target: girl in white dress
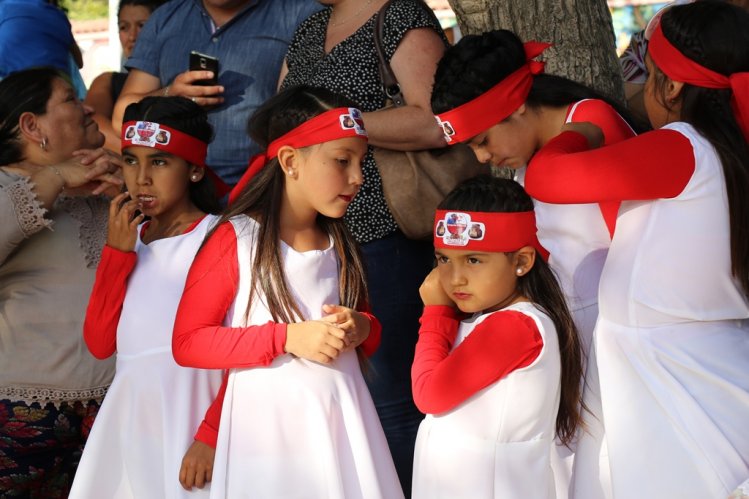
(498, 361)
(277, 296)
(154, 406)
(669, 377)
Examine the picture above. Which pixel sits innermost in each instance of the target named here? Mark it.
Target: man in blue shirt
(248, 37)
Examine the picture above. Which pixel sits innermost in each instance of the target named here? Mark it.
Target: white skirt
(298, 429)
(144, 427)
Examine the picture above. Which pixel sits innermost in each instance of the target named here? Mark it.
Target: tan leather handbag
(414, 182)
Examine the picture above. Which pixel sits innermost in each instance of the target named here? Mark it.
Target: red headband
(167, 139)
(486, 231)
(679, 67)
(338, 123)
(496, 104)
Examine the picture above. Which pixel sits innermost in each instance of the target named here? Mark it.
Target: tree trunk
(581, 31)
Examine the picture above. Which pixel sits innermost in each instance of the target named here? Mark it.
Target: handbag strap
(389, 82)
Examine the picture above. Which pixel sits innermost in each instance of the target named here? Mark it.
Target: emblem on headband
(457, 229)
(353, 121)
(447, 129)
(145, 133)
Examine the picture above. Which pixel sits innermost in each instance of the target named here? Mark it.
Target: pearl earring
(519, 271)
(194, 178)
(290, 171)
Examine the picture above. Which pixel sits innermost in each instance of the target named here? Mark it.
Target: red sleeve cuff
(207, 434)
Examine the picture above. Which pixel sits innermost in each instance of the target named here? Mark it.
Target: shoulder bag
(414, 182)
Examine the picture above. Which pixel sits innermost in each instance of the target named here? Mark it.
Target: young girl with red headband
(498, 361)
(672, 339)
(154, 406)
(277, 296)
(491, 93)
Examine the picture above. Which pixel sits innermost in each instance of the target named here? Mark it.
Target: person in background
(35, 33)
(249, 38)
(52, 232)
(106, 88)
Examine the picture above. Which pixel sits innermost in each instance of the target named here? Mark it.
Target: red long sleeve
(653, 165)
(105, 305)
(208, 429)
(615, 129)
(200, 339)
(501, 344)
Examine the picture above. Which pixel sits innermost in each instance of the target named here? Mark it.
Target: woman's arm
(501, 344)
(99, 97)
(653, 165)
(411, 127)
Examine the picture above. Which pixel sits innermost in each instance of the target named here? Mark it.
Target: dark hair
(25, 91)
(716, 36)
(261, 199)
(186, 116)
(151, 5)
(478, 62)
(492, 194)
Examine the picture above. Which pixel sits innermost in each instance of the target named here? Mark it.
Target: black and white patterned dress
(351, 69)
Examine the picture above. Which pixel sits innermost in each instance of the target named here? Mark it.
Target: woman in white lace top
(52, 228)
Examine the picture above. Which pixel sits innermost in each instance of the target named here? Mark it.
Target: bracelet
(57, 172)
(166, 91)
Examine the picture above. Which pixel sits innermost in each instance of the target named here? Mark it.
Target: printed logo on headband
(457, 229)
(145, 133)
(447, 129)
(353, 121)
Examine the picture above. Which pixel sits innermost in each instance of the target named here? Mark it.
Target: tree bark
(581, 31)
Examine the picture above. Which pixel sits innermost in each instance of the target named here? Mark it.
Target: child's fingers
(200, 479)
(116, 203)
(186, 476)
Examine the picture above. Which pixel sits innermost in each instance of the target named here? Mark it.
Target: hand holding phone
(202, 62)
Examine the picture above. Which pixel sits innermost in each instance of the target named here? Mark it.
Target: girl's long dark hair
(716, 36)
(261, 200)
(478, 62)
(184, 115)
(539, 285)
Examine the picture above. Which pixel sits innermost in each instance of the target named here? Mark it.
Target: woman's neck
(347, 16)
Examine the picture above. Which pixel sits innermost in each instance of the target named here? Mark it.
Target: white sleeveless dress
(154, 406)
(498, 443)
(298, 429)
(670, 376)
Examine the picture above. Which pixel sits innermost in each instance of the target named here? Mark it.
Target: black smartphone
(202, 62)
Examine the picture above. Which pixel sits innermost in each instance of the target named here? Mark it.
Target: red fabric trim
(200, 339)
(504, 342)
(105, 305)
(653, 165)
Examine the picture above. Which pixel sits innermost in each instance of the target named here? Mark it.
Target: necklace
(347, 19)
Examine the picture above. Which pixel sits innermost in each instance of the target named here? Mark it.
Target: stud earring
(43, 144)
(290, 171)
(194, 178)
(519, 271)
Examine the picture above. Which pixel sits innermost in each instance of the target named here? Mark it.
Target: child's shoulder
(524, 312)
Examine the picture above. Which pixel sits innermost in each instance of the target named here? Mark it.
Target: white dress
(154, 407)
(498, 443)
(298, 429)
(672, 349)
